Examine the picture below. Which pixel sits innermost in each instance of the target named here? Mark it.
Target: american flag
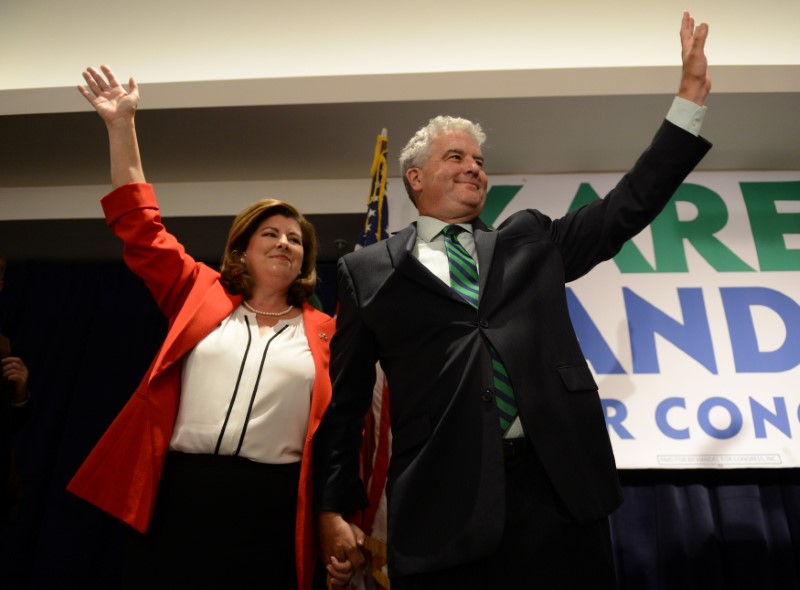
(377, 206)
(376, 442)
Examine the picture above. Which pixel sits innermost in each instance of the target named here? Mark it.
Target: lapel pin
(323, 335)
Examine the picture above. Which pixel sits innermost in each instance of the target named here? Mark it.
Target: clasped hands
(340, 547)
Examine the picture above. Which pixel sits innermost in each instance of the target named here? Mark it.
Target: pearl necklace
(274, 314)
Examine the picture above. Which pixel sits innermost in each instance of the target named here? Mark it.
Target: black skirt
(219, 522)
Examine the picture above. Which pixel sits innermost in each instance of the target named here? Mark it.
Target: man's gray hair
(418, 149)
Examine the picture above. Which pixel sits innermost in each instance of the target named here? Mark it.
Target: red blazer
(122, 473)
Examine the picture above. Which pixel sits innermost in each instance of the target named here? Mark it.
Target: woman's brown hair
(235, 275)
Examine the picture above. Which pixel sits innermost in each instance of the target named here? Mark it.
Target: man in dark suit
(485, 494)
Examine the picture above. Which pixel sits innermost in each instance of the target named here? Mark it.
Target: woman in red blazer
(210, 458)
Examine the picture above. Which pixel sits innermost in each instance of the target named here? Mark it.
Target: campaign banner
(693, 330)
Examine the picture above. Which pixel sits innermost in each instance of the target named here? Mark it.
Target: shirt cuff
(687, 115)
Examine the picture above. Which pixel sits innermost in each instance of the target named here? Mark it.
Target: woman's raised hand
(108, 97)
(116, 106)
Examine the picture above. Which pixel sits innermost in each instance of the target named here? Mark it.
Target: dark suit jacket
(446, 480)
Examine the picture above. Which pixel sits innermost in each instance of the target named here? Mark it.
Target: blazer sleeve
(150, 251)
(337, 485)
(597, 231)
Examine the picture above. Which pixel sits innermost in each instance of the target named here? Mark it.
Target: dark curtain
(708, 530)
(88, 331)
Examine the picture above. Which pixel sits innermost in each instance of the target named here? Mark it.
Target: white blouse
(247, 394)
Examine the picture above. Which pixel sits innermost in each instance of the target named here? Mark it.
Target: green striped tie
(464, 280)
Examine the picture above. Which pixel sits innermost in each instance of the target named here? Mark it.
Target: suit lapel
(319, 329)
(485, 240)
(401, 248)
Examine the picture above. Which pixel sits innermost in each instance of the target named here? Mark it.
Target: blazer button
(484, 324)
(487, 395)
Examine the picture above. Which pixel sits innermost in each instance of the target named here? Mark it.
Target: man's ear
(414, 181)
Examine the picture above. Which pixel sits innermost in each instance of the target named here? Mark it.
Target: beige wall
(44, 44)
(263, 52)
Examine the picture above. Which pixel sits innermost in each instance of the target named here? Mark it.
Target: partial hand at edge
(15, 371)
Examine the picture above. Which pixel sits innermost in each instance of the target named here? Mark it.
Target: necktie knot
(451, 231)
